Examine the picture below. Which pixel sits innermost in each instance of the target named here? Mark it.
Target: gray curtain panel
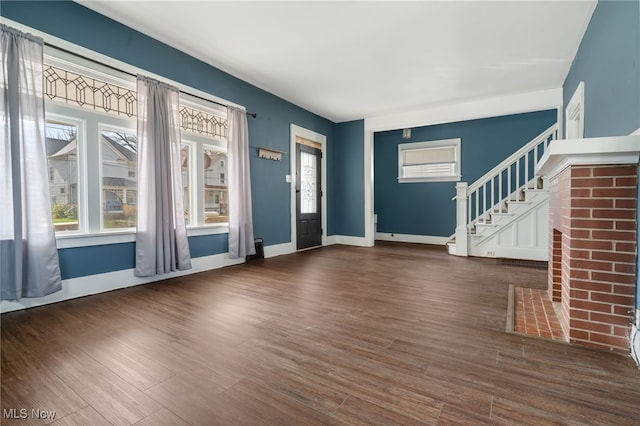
(240, 217)
(161, 235)
(28, 256)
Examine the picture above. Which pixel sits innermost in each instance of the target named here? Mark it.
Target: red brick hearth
(592, 238)
(593, 244)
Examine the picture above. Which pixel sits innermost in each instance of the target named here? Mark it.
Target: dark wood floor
(397, 334)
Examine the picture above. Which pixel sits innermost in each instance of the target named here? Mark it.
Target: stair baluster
(485, 188)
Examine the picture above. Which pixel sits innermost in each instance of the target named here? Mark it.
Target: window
(62, 155)
(204, 168)
(119, 161)
(216, 191)
(433, 161)
(185, 166)
(92, 149)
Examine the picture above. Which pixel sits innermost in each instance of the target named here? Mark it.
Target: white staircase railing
(501, 184)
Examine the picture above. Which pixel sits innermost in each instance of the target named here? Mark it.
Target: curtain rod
(95, 61)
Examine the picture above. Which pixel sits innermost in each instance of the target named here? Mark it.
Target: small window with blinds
(433, 161)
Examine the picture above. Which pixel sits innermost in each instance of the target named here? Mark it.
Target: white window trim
(192, 158)
(457, 143)
(574, 114)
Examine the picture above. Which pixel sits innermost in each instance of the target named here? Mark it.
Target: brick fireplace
(592, 237)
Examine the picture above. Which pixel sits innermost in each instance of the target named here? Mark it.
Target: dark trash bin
(259, 250)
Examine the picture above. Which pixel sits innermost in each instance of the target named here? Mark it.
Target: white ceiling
(353, 59)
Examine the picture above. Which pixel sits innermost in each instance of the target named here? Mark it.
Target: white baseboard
(524, 253)
(331, 240)
(279, 249)
(408, 238)
(351, 241)
(288, 248)
(100, 283)
(636, 132)
(347, 240)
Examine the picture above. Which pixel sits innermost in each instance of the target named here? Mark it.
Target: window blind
(429, 162)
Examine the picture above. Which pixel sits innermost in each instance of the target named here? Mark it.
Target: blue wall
(426, 208)
(271, 212)
(347, 180)
(608, 61)
(81, 261)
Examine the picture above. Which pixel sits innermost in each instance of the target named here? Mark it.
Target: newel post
(461, 221)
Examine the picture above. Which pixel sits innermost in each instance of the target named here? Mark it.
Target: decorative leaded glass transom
(202, 123)
(79, 90)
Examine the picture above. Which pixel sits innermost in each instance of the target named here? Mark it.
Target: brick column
(593, 214)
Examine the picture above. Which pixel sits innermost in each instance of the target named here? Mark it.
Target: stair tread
(501, 214)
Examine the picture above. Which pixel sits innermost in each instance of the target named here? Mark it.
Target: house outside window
(430, 161)
(216, 190)
(61, 143)
(186, 168)
(119, 162)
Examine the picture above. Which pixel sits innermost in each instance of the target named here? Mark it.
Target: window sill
(217, 228)
(96, 239)
(455, 178)
(65, 241)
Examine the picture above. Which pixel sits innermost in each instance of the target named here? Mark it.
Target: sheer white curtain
(161, 237)
(28, 256)
(241, 242)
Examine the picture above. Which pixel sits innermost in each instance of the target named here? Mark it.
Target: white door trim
(369, 226)
(322, 140)
(574, 114)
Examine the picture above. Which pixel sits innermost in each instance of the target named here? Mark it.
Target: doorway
(308, 183)
(575, 114)
(308, 195)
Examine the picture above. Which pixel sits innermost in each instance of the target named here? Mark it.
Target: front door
(308, 197)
